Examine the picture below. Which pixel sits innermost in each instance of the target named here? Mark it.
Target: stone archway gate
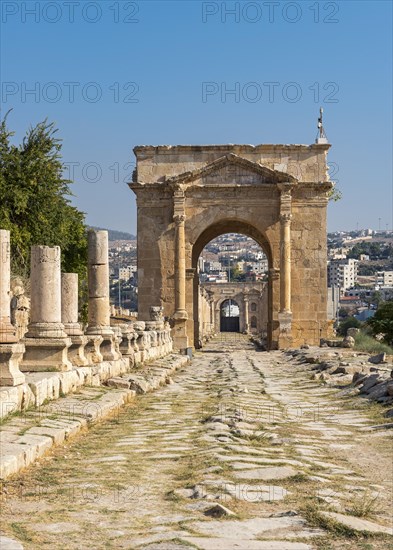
(277, 194)
(245, 294)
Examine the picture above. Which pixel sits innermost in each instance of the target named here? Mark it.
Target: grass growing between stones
(137, 497)
(22, 533)
(339, 536)
(365, 505)
(364, 342)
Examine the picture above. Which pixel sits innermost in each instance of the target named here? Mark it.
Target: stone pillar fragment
(69, 317)
(11, 352)
(46, 340)
(99, 308)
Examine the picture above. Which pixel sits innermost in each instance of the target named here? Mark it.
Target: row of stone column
(55, 339)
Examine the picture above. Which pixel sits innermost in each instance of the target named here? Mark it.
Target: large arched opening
(206, 236)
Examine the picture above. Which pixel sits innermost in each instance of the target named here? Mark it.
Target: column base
(180, 315)
(76, 352)
(73, 329)
(180, 338)
(46, 354)
(46, 330)
(10, 357)
(285, 327)
(100, 330)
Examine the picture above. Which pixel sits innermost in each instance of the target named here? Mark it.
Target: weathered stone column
(69, 318)
(180, 269)
(7, 330)
(285, 282)
(180, 316)
(46, 341)
(212, 327)
(285, 314)
(45, 278)
(99, 308)
(246, 317)
(10, 351)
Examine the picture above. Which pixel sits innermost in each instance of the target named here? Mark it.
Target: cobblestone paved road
(238, 427)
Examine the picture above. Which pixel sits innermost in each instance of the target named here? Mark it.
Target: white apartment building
(343, 273)
(213, 266)
(126, 273)
(384, 278)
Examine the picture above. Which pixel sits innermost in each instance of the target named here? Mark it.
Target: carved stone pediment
(232, 170)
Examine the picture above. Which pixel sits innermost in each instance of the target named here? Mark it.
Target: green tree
(382, 322)
(237, 275)
(35, 199)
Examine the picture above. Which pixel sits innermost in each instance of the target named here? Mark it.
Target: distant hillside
(116, 235)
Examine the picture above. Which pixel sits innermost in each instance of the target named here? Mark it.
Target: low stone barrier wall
(134, 345)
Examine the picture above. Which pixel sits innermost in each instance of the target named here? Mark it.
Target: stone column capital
(179, 219)
(178, 191)
(285, 217)
(285, 188)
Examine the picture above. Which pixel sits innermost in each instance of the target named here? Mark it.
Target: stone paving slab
(6, 543)
(358, 524)
(149, 479)
(23, 442)
(238, 544)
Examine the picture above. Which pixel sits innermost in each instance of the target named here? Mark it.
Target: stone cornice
(163, 186)
(264, 147)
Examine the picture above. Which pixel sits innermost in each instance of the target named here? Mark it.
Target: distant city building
(384, 278)
(360, 292)
(212, 266)
(126, 273)
(343, 273)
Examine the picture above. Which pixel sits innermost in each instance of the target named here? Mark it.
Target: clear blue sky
(162, 52)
